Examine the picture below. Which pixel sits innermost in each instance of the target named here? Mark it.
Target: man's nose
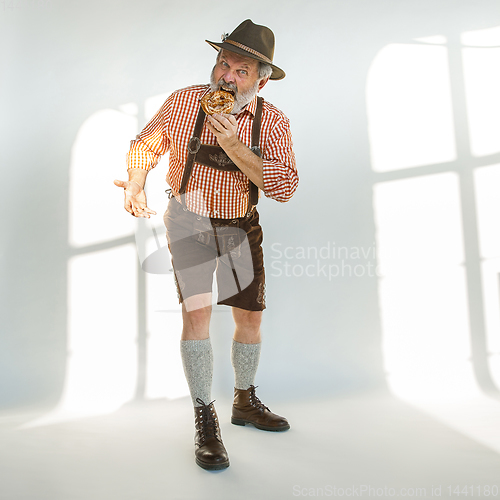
(229, 77)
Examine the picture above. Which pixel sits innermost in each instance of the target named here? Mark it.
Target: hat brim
(277, 74)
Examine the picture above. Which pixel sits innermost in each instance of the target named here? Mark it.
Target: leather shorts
(232, 248)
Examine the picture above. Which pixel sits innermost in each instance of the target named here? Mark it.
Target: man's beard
(241, 99)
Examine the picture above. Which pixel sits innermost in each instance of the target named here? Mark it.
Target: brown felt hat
(251, 40)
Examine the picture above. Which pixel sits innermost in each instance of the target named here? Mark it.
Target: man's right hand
(135, 199)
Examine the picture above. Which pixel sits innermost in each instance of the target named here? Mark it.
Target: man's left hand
(225, 129)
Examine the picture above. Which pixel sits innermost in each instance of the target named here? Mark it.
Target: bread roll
(219, 101)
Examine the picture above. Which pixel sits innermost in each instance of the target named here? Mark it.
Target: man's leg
(245, 349)
(194, 262)
(245, 354)
(196, 349)
(197, 359)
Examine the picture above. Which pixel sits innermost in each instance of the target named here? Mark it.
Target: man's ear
(263, 82)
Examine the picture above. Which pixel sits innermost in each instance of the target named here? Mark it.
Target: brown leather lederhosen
(216, 157)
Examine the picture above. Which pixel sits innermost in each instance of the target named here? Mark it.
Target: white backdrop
(395, 123)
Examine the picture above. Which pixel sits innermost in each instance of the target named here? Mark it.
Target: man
(217, 163)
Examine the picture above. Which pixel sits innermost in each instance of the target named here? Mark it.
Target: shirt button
(216, 191)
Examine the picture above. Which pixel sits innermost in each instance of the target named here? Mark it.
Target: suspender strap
(253, 195)
(193, 147)
(256, 123)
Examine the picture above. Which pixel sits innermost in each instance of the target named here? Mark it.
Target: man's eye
(243, 72)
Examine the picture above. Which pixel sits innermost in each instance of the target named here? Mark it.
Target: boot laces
(255, 401)
(208, 419)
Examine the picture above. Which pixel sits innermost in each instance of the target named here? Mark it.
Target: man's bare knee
(196, 322)
(247, 326)
(249, 319)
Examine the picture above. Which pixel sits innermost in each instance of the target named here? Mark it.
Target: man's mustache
(228, 86)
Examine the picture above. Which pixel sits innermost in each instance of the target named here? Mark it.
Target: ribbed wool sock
(197, 359)
(245, 360)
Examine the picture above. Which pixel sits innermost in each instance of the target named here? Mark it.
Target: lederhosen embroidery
(216, 157)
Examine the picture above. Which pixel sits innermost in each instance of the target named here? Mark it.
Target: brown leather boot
(249, 409)
(209, 450)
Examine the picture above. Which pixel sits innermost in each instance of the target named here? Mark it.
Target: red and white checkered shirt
(211, 192)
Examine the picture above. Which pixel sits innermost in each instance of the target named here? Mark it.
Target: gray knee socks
(197, 359)
(245, 359)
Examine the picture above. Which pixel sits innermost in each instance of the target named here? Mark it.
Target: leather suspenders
(216, 157)
(253, 195)
(194, 145)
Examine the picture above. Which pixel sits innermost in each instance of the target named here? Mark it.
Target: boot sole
(203, 465)
(239, 421)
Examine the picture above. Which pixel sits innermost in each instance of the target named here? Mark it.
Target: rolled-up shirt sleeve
(149, 146)
(279, 166)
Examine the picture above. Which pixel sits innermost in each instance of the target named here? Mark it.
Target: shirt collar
(251, 106)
